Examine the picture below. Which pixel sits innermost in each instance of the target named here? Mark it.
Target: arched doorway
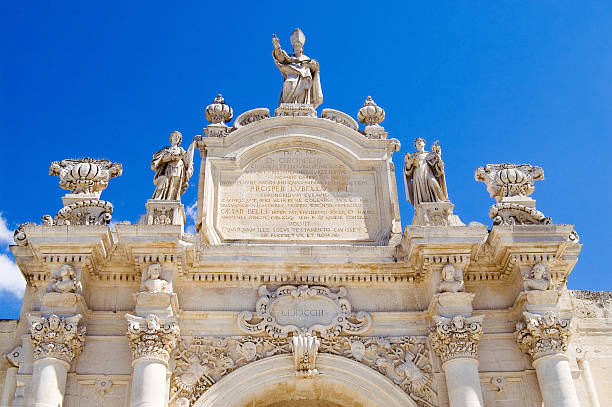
(271, 382)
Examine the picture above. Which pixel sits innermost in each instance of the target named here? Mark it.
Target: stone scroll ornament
(85, 178)
(290, 310)
(152, 336)
(456, 337)
(511, 185)
(542, 335)
(56, 337)
(203, 361)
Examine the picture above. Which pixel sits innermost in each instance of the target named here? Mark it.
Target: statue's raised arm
(301, 82)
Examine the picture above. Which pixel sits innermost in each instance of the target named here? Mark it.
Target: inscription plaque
(298, 194)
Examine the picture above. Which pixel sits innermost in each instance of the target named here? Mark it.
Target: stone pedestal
(161, 304)
(62, 304)
(555, 380)
(295, 109)
(161, 212)
(48, 383)
(435, 214)
(463, 382)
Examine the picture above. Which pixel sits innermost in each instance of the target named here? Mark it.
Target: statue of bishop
(301, 74)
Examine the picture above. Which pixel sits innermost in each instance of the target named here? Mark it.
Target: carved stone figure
(538, 278)
(424, 175)
(542, 335)
(456, 337)
(56, 337)
(152, 336)
(173, 167)
(301, 82)
(154, 283)
(64, 280)
(305, 348)
(452, 280)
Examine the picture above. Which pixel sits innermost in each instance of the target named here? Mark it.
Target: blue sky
(503, 81)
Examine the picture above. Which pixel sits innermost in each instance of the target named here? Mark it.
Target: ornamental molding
(56, 337)
(456, 337)
(303, 309)
(152, 337)
(203, 361)
(305, 349)
(542, 335)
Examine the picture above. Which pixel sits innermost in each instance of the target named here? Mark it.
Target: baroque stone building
(299, 287)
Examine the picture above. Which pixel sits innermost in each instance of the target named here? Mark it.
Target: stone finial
(56, 337)
(152, 336)
(511, 185)
(218, 112)
(371, 115)
(456, 337)
(85, 175)
(542, 335)
(305, 348)
(451, 280)
(538, 278)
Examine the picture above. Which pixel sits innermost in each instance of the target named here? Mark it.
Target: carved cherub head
(448, 273)
(54, 322)
(67, 272)
(152, 322)
(540, 271)
(459, 321)
(154, 271)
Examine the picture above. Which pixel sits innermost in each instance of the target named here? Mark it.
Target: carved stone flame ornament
(305, 348)
(511, 185)
(152, 336)
(56, 337)
(541, 335)
(456, 337)
(303, 309)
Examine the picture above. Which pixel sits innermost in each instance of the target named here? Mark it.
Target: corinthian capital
(456, 337)
(541, 335)
(152, 336)
(56, 337)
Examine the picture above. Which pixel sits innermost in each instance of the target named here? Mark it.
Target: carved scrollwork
(251, 116)
(56, 337)
(456, 337)
(152, 336)
(541, 335)
(303, 309)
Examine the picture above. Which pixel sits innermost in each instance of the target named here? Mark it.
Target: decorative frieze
(456, 337)
(152, 337)
(56, 337)
(542, 335)
(303, 309)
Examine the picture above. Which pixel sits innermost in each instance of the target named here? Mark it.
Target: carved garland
(336, 318)
(203, 361)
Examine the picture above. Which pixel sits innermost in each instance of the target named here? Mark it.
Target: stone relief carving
(339, 117)
(371, 115)
(456, 337)
(251, 116)
(173, 167)
(19, 235)
(305, 349)
(64, 280)
(590, 304)
(499, 382)
(511, 185)
(538, 278)
(56, 337)
(203, 361)
(15, 356)
(303, 309)
(301, 81)
(451, 280)
(541, 335)
(152, 281)
(102, 385)
(152, 336)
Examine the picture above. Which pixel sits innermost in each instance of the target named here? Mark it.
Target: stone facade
(299, 286)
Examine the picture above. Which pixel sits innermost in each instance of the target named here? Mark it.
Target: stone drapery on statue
(424, 175)
(173, 167)
(301, 82)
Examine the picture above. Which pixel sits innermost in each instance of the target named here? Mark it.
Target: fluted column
(56, 342)
(545, 337)
(151, 339)
(455, 340)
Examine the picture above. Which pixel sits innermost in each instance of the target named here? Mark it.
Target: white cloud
(6, 235)
(10, 277)
(191, 212)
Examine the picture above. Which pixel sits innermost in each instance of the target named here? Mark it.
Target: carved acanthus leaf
(456, 337)
(541, 335)
(152, 336)
(56, 337)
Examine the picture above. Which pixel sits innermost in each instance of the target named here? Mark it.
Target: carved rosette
(56, 337)
(542, 335)
(203, 361)
(456, 337)
(332, 316)
(152, 337)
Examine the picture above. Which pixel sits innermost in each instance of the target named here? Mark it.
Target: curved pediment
(299, 180)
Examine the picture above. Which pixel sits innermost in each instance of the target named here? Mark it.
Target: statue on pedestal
(424, 175)
(173, 167)
(153, 282)
(301, 74)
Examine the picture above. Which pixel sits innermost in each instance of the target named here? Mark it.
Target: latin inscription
(298, 194)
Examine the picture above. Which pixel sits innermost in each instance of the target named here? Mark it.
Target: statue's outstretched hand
(275, 42)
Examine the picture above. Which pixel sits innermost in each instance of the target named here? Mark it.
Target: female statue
(173, 167)
(424, 175)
